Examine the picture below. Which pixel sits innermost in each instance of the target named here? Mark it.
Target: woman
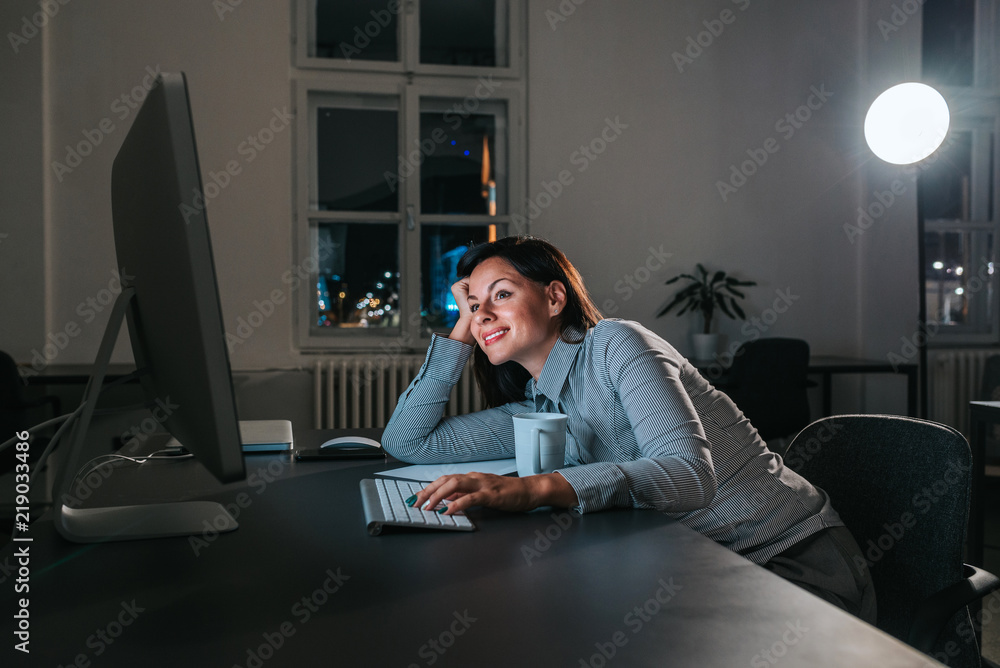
(645, 429)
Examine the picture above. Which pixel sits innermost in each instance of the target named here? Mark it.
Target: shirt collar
(557, 365)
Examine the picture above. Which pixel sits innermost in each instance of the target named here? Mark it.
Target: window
(409, 148)
(959, 183)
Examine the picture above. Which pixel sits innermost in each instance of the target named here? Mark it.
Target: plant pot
(705, 346)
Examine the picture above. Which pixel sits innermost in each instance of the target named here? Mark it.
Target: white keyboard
(384, 500)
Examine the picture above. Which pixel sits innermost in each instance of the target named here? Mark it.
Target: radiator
(956, 378)
(354, 391)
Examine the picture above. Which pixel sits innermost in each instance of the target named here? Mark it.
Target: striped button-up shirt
(645, 430)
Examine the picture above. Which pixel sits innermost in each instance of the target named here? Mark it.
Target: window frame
(976, 109)
(304, 39)
(314, 85)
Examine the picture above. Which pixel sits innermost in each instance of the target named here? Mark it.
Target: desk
(982, 415)
(74, 374)
(300, 583)
(827, 365)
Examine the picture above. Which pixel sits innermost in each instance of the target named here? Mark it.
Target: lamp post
(904, 125)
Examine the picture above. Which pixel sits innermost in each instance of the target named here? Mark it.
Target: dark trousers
(830, 565)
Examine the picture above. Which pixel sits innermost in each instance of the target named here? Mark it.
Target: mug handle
(536, 448)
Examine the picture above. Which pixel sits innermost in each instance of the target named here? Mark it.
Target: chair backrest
(11, 395)
(902, 487)
(768, 382)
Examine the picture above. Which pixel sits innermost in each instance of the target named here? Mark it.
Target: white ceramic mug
(539, 442)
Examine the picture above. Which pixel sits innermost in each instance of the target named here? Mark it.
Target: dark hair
(541, 262)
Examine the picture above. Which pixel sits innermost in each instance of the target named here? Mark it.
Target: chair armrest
(933, 613)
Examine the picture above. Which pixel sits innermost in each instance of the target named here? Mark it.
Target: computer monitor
(171, 301)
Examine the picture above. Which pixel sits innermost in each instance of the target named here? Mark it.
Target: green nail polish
(441, 510)
(410, 501)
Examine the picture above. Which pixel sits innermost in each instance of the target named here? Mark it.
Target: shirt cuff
(598, 486)
(446, 359)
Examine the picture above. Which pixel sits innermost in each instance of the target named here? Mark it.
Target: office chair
(768, 382)
(14, 406)
(902, 486)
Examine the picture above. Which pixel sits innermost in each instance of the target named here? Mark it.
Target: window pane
(463, 32)
(358, 283)
(465, 156)
(949, 28)
(355, 149)
(441, 247)
(359, 29)
(959, 278)
(945, 186)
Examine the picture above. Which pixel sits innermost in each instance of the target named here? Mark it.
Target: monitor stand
(95, 525)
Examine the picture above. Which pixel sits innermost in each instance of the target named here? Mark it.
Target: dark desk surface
(72, 374)
(300, 583)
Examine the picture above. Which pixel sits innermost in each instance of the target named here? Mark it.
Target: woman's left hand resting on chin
(494, 491)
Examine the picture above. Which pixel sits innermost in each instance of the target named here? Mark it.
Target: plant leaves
(725, 309)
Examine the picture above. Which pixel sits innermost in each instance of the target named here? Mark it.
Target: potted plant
(705, 293)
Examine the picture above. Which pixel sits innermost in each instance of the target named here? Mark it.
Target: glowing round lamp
(907, 123)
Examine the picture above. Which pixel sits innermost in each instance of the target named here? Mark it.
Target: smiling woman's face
(514, 318)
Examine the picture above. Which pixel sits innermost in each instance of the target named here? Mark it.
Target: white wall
(653, 186)
(689, 123)
(22, 238)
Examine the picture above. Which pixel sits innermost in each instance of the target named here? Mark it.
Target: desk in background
(74, 374)
(828, 365)
(301, 583)
(982, 416)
